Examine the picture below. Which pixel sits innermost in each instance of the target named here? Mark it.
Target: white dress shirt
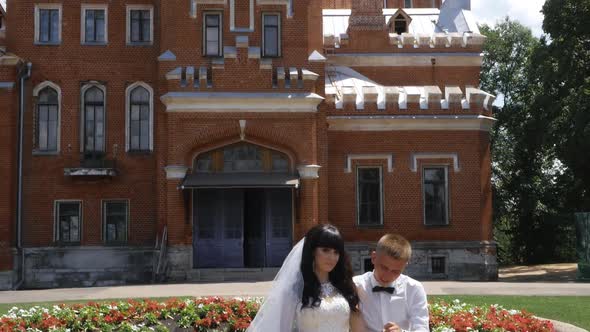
(407, 306)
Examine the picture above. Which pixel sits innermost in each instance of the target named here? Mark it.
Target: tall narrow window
(48, 24)
(94, 25)
(271, 40)
(94, 121)
(115, 214)
(47, 123)
(139, 24)
(436, 202)
(139, 119)
(68, 217)
(212, 34)
(369, 196)
(408, 4)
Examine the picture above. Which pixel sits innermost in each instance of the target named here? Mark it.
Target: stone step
(232, 274)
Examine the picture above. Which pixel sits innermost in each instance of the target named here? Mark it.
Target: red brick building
(199, 139)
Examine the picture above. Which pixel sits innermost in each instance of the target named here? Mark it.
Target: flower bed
(229, 315)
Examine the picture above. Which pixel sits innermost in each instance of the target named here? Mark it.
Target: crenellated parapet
(348, 90)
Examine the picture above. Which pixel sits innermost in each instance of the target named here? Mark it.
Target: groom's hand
(391, 327)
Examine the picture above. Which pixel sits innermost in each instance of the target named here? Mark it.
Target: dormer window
(399, 23)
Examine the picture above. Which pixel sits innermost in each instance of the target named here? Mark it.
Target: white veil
(277, 313)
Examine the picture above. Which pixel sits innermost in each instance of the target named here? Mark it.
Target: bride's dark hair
(326, 236)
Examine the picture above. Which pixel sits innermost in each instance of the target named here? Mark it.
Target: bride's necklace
(327, 289)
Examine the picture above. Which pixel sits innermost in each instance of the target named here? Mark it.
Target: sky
(527, 12)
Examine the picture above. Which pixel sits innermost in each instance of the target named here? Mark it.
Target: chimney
(367, 15)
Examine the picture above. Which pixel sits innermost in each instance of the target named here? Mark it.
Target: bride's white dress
(333, 314)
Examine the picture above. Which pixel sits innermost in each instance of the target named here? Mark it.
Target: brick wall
(156, 201)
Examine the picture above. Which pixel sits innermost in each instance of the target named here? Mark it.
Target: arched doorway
(242, 207)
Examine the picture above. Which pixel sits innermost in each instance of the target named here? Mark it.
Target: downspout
(24, 74)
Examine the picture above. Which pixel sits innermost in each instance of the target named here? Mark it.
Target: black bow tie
(389, 290)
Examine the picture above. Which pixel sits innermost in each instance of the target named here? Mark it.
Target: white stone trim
(175, 172)
(93, 6)
(7, 85)
(368, 156)
(167, 56)
(194, 3)
(232, 18)
(408, 122)
(39, 6)
(57, 89)
(128, 110)
(129, 8)
(406, 59)
(309, 171)
(219, 102)
(83, 111)
(433, 155)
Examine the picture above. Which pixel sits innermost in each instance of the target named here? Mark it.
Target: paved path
(262, 288)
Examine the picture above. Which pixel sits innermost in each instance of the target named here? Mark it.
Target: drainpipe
(24, 74)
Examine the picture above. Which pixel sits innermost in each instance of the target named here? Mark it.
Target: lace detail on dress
(333, 314)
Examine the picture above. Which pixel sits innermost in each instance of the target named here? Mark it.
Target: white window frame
(358, 215)
(447, 193)
(97, 6)
(279, 32)
(204, 38)
(36, 92)
(103, 216)
(40, 6)
(128, 112)
(56, 230)
(128, 24)
(83, 90)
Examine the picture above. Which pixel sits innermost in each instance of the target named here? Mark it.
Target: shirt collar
(374, 281)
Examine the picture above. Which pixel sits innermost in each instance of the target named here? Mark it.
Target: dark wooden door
(279, 225)
(218, 228)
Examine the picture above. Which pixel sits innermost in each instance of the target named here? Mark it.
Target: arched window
(242, 157)
(94, 121)
(47, 120)
(139, 119)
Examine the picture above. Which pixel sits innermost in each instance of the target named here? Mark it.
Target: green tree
(525, 179)
(562, 66)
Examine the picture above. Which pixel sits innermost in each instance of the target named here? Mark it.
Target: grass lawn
(570, 309)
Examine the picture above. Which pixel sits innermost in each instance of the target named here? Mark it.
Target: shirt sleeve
(418, 309)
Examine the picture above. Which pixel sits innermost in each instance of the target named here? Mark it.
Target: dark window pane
(68, 222)
(116, 221)
(435, 196)
(54, 25)
(369, 196)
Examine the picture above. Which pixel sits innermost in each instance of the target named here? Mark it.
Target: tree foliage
(539, 166)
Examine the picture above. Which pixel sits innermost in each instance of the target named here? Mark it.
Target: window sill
(216, 56)
(436, 226)
(45, 153)
(68, 244)
(38, 43)
(94, 44)
(140, 44)
(271, 56)
(370, 226)
(139, 152)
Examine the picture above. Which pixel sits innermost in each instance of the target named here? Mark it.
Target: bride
(313, 291)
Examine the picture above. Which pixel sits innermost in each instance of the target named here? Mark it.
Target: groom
(389, 300)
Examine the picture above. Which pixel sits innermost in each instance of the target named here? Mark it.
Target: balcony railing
(93, 164)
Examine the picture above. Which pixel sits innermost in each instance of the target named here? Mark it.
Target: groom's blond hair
(395, 246)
